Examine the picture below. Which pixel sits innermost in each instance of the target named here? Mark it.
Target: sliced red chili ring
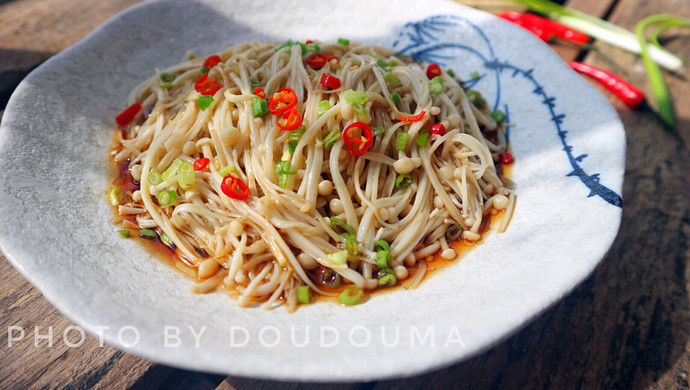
(211, 61)
(127, 115)
(358, 144)
(330, 81)
(413, 118)
(506, 158)
(290, 120)
(205, 86)
(432, 71)
(281, 101)
(201, 163)
(234, 187)
(437, 128)
(318, 60)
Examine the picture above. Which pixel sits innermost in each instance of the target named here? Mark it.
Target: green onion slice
(331, 138)
(343, 41)
(351, 244)
(331, 279)
(403, 181)
(171, 169)
(204, 102)
(154, 178)
(340, 227)
(303, 294)
(166, 197)
(396, 98)
(392, 79)
(499, 116)
(350, 296)
(359, 110)
(147, 234)
(400, 141)
(259, 107)
(378, 130)
(228, 169)
(115, 196)
(125, 233)
(386, 277)
(454, 232)
(186, 176)
(478, 99)
(339, 257)
(323, 107)
(436, 85)
(355, 97)
(422, 139)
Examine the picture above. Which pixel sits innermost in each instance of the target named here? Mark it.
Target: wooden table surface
(627, 326)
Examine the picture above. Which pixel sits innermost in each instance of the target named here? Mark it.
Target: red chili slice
(281, 101)
(319, 60)
(329, 81)
(358, 144)
(432, 71)
(413, 118)
(211, 61)
(290, 120)
(506, 158)
(201, 163)
(205, 86)
(437, 128)
(234, 187)
(259, 92)
(127, 115)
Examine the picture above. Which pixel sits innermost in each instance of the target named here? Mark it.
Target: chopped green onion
(287, 43)
(115, 195)
(386, 277)
(360, 110)
(254, 84)
(125, 233)
(351, 244)
(147, 234)
(422, 139)
(478, 99)
(166, 240)
(355, 97)
(259, 107)
(339, 257)
(309, 48)
(284, 172)
(474, 75)
(383, 255)
(392, 79)
(386, 64)
(166, 198)
(396, 98)
(340, 227)
(331, 278)
(303, 294)
(331, 138)
(167, 79)
(204, 70)
(350, 296)
(294, 137)
(186, 175)
(343, 41)
(382, 258)
(499, 116)
(204, 102)
(450, 73)
(453, 232)
(323, 107)
(378, 130)
(403, 181)
(603, 31)
(228, 169)
(400, 141)
(436, 85)
(154, 178)
(171, 169)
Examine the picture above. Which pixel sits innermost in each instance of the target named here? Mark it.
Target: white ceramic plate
(568, 142)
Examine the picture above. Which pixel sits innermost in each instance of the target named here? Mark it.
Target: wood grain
(626, 327)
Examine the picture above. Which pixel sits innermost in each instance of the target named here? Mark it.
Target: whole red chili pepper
(626, 92)
(358, 142)
(234, 187)
(128, 114)
(545, 29)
